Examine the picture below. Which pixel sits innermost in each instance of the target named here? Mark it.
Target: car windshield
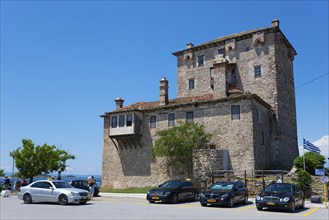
(62, 185)
(279, 188)
(222, 186)
(171, 184)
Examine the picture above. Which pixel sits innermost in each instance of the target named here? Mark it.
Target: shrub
(304, 181)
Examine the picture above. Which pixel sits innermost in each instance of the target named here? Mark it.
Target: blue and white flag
(311, 147)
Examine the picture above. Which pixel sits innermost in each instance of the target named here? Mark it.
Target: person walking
(91, 183)
(6, 184)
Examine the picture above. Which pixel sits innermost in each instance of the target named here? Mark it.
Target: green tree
(2, 172)
(176, 144)
(304, 181)
(33, 160)
(312, 161)
(60, 164)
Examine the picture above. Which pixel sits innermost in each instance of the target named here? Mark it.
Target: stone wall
(127, 161)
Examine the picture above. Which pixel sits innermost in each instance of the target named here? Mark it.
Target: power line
(312, 81)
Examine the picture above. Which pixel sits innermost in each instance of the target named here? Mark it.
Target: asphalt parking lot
(136, 207)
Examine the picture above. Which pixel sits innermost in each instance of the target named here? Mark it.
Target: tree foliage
(312, 161)
(2, 172)
(33, 160)
(177, 143)
(304, 180)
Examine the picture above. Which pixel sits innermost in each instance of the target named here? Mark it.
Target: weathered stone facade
(240, 87)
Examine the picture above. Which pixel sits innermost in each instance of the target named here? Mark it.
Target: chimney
(119, 103)
(275, 23)
(189, 45)
(164, 91)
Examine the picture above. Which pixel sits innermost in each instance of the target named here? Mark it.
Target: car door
(236, 192)
(46, 192)
(35, 191)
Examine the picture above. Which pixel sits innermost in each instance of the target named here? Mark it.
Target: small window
(201, 60)
(129, 121)
(121, 120)
(191, 84)
(257, 71)
(171, 119)
(153, 121)
(114, 122)
(247, 48)
(235, 112)
(189, 116)
(222, 51)
(259, 116)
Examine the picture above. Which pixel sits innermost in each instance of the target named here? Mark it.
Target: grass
(127, 190)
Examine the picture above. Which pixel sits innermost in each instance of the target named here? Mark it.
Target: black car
(225, 193)
(173, 192)
(281, 195)
(82, 184)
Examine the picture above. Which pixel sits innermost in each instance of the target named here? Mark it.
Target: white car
(52, 191)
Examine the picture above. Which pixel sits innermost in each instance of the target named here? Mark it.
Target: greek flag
(311, 147)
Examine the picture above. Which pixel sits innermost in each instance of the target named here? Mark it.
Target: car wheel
(27, 198)
(63, 200)
(292, 208)
(151, 201)
(174, 199)
(231, 202)
(203, 204)
(196, 197)
(259, 208)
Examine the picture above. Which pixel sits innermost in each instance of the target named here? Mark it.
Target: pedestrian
(23, 182)
(278, 179)
(91, 183)
(6, 184)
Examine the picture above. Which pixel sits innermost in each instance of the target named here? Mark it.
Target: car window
(171, 184)
(278, 188)
(222, 186)
(62, 185)
(46, 185)
(37, 185)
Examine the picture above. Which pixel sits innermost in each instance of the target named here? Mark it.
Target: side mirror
(52, 188)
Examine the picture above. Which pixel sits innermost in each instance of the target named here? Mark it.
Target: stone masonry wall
(132, 165)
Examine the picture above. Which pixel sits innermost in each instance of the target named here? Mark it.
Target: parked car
(225, 193)
(174, 191)
(57, 191)
(281, 195)
(82, 184)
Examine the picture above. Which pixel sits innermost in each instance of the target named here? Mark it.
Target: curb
(308, 204)
(124, 195)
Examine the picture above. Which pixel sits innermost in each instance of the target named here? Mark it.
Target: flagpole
(303, 154)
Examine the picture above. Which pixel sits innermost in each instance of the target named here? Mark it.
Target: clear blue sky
(64, 62)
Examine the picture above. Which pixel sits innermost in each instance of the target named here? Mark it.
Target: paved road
(109, 207)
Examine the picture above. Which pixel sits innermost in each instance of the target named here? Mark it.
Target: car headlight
(166, 193)
(74, 194)
(286, 199)
(224, 196)
(259, 198)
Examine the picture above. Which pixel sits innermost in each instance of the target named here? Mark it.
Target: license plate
(155, 197)
(211, 200)
(270, 203)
